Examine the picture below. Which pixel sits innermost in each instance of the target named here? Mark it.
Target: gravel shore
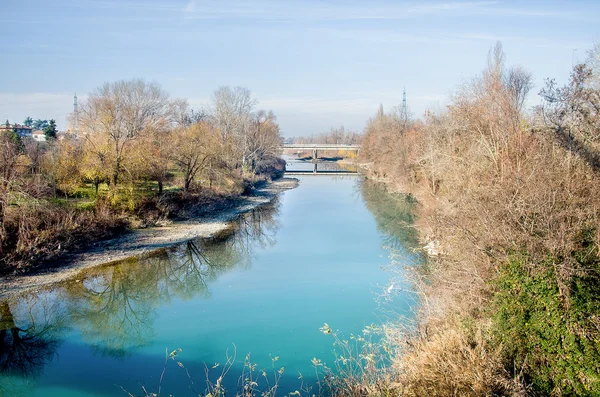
(144, 241)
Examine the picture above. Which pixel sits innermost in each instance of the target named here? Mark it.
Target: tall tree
(50, 131)
(264, 139)
(232, 115)
(194, 149)
(28, 121)
(119, 113)
(40, 124)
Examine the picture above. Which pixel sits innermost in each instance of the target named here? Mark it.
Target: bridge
(315, 155)
(320, 146)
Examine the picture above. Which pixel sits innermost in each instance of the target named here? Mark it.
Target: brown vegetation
(137, 157)
(511, 304)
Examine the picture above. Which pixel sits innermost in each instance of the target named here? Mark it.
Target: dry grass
(455, 361)
(40, 231)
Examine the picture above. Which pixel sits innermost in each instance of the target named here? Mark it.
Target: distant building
(68, 134)
(38, 135)
(22, 130)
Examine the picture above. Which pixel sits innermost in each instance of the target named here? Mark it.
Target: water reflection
(111, 324)
(308, 166)
(394, 216)
(30, 331)
(393, 213)
(113, 308)
(27, 338)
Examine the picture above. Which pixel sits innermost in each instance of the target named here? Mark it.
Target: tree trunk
(160, 187)
(116, 171)
(1, 226)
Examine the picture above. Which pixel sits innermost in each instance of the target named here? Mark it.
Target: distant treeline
(509, 201)
(337, 136)
(133, 154)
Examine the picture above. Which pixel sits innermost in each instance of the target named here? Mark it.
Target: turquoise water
(318, 254)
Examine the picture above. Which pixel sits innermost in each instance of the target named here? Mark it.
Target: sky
(316, 64)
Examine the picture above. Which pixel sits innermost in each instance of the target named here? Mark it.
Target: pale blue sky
(317, 64)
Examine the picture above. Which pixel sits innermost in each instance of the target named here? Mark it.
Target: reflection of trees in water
(394, 215)
(29, 332)
(257, 228)
(191, 266)
(114, 306)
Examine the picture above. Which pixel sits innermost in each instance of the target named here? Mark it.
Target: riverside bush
(553, 339)
(493, 180)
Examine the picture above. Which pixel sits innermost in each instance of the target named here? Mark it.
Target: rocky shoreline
(142, 242)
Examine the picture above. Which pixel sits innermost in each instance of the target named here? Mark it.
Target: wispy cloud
(190, 7)
(296, 10)
(437, 8)
(159, 6)
(373, 10)
(304, 10)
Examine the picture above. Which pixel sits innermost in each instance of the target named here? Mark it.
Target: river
(324, 252)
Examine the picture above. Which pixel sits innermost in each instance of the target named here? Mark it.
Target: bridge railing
(319, 146)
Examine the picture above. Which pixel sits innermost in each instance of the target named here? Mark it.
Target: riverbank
(141, 242)
(510, 210)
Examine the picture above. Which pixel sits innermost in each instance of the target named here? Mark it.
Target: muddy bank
(144, 241)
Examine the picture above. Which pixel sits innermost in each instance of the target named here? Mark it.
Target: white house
(38, 135)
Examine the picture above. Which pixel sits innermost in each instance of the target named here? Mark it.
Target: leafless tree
(120, 112)
(232, 115)
(264, 139)
(194, 147)
(518, 82)
(10, 150)
(593, 62)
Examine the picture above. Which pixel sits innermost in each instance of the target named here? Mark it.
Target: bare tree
(120, 112)
(10, 150)
(518, 83)
(593, 62)
(232, 115)
(572, 114)
(194, 147)
(264, 138)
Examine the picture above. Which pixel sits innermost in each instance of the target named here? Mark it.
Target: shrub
(554, 340)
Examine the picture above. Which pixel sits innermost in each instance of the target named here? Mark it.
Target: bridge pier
(315, 167)
(315, 154)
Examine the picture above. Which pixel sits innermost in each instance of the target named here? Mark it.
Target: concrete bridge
(320, 146)
(315, 155)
